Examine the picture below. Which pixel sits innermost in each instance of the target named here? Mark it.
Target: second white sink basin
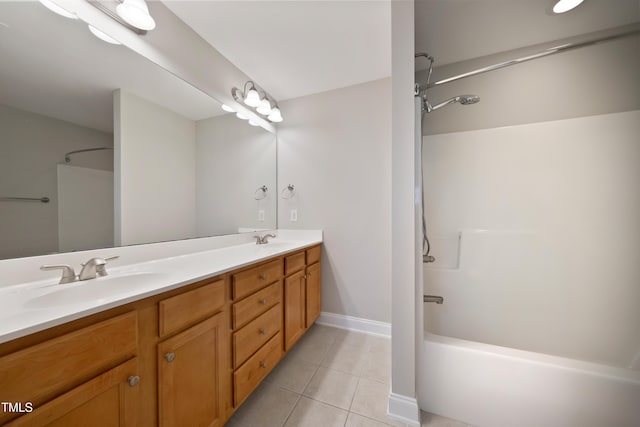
(93, 290)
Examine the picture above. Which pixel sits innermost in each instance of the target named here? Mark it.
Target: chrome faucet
(95, 267)
(263, 240)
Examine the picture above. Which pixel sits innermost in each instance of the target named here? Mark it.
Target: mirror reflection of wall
(57, 86)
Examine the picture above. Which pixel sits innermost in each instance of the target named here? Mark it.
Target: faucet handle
(101, 269)
(68, 274)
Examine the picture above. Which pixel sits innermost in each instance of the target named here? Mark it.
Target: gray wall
(335, 148)
(31, 145)
(599, 79)
(233, 159)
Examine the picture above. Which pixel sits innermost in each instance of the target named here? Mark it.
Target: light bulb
(264, 108)
(241, 116)
(53, 7)
(563, 6)
(252, 123)
(275, 115)
(252, 98)
(102, 36)
(136, 13)
(228, 109)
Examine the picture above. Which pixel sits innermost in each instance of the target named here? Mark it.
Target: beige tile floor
(331, 377)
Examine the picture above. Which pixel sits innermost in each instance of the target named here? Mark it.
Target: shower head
(469, 99)
(462, 99)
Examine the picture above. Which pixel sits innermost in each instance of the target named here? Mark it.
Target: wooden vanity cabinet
(256, 334)
(302, 293)
(187, 357)
(74, 376)
(110, 399)
(192, 364)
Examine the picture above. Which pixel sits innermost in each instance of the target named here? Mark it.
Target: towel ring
(260, 193)
(288, 192)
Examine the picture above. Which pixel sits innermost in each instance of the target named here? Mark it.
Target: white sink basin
(93, 290)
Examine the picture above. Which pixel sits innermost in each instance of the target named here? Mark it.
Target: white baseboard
(372, 327)
(404, 409)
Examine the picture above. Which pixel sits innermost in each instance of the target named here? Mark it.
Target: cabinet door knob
(262, 276)
(170, 357)
(263, 331)
(133, 380)
(263, 365)
(263, 301)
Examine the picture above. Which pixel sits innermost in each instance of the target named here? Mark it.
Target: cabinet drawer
(293, 263)
(38, 373)
(251, 307)
(257, 367)
(182, 310)
(313, 255)
(250, 338)
(108, 399)
(249, 281)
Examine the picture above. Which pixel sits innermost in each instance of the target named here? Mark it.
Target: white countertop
(30, 307)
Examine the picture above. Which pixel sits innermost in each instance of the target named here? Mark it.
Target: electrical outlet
(261, 215)
(294, 215)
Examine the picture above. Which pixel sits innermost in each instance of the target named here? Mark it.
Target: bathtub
(491, 386)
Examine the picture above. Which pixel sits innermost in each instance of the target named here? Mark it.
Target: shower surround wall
(548, 215)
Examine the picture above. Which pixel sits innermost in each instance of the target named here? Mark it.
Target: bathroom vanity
(187, 356)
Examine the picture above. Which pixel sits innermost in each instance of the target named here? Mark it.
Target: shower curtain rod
(67, 159)
(597, 37)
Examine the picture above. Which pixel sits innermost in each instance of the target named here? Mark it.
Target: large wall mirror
(100, 147)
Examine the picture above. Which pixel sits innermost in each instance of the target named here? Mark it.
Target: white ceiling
(296, 48)
(456, 30)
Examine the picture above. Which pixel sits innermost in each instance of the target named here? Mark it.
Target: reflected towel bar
(433, 298)
(26, 199)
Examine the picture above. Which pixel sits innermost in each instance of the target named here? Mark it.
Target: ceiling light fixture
(254, 97)
(102, 35)
(563, 6)
(54, 7)
(136, 13)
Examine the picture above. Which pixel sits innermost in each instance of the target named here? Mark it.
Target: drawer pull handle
(263, 331)
(262, 276)
(263, 301)
(170, 357)
(263, 365)
(133, 380)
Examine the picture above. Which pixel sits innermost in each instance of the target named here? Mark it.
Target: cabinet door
(190, 366)
(110, 399)
(294, 308)
(314, 294)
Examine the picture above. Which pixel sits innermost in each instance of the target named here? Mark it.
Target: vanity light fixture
(563, 6)
(54, 7)
(252, 123)
(136, 13)
(275, 115)
(228, 109)
(265, 107)
(263, 104)
(241, 116)
(102, 35)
